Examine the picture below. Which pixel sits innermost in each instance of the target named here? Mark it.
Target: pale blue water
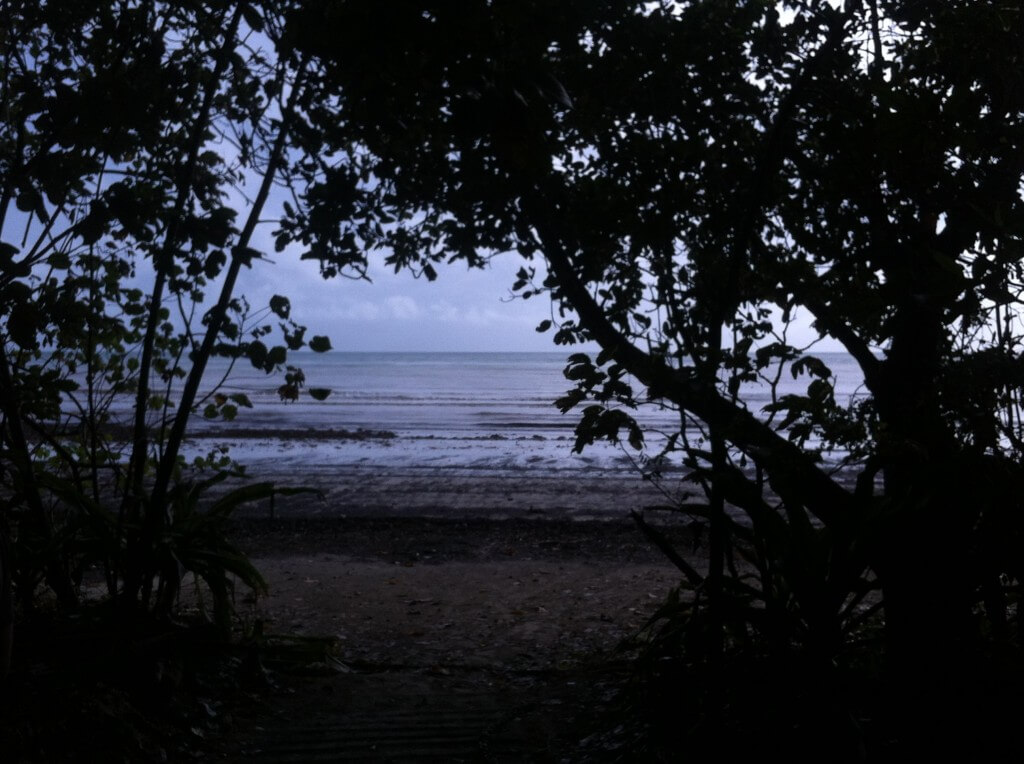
(471, 433)
(493, 410)
(441, 393)
(415, 394)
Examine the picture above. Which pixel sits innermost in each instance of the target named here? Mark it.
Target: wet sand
(459, 493)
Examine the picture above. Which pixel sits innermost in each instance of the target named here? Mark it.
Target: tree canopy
(692, 175)
(695, 174)
(139, 145)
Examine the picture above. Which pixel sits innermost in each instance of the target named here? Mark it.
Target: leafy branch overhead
(702, 179)
(700, 182)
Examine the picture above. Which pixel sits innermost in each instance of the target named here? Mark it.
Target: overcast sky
(462, 310)
(467, 310)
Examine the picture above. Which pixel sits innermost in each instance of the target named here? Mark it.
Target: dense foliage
(139, 146)
(684, 179)
(692, 176)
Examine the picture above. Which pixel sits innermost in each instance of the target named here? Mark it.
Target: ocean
(484, 409)
(486, 412)
(435, 417)
(435, 433)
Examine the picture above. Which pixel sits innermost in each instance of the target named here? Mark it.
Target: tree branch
(792, 472)
(219, 311)
(855, 345)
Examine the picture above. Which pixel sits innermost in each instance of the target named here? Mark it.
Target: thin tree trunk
(6, 604)
(218, 315)
(131, 504)
(57, 575)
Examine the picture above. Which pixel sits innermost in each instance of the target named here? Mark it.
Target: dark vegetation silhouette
(684, 181)
(139, 145)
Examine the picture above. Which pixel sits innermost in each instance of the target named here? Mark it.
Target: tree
(694, 174)
(139, 146)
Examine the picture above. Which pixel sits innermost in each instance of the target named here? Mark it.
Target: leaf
(280, 305)
(570, 400)
(819, 390)
(257, 353)
(320, 344)
(277, 355)
(543, 326)
(92, 227)
(254, 492)
(319, 393)
(811, 365)
(241, 399)
(23, 324)
(295, 338)
(245, 255)
(7, 254)
(214, 263)
(59, 260)
(30, 200)
(636, 436)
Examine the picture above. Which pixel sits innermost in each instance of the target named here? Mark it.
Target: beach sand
(427, 592)
(506, 627)
(458, 492)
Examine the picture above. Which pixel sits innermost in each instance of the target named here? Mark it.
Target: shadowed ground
(413, 639)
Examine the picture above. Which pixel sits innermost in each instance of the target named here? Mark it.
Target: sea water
(450, 434)
(493, 411)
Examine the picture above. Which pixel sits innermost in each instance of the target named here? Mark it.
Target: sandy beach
(427, 592)
(457, 582)
(409, 617)
(456, 492)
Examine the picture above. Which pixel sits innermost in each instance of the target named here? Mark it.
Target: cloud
(444, 311)
(483, 317)
(359, 310)
(402, 307)
(464, 309)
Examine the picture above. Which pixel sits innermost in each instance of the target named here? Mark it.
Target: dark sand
(506, 631)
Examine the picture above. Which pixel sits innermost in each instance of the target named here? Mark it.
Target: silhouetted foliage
(684, 179)
(139, 143)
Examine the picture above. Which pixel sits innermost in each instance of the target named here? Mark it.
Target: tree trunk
(925, 544)
(6, 606)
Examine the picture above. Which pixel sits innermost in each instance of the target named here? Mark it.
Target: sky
(466, 310)
(462, 310)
